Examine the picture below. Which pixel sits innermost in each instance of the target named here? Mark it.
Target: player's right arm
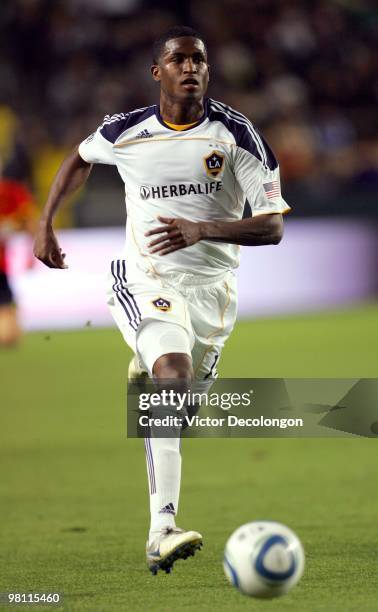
(71, 175)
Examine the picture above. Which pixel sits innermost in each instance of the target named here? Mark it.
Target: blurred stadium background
(305, 73)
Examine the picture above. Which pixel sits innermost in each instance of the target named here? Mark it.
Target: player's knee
(174, 367)
(165, 350)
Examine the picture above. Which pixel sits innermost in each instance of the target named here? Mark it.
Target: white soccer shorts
(206, 308)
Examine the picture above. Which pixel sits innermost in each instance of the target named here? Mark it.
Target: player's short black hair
(175, 32)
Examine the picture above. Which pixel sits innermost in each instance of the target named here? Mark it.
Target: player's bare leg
(175, 366)
(10, 331)
(167, 543)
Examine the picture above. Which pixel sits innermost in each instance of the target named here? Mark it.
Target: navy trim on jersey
(113, 126)
(161, 120)
(245, 134)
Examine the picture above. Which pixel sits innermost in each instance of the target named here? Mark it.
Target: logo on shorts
(144, 192)
(162, 304)
(214, 163)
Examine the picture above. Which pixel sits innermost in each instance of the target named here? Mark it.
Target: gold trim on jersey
(180, 127)
(153, 139)
(152, 268)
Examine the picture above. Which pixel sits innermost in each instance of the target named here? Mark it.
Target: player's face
(182, 70)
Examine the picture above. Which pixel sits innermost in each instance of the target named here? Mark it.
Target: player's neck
(180, 112)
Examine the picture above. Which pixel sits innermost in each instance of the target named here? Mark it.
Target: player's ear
(155, 71)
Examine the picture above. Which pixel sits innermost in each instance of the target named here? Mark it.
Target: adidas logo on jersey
(144, 134)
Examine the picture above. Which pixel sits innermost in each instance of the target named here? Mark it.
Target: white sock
(164, 476)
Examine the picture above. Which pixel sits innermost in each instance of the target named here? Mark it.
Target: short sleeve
(259, 183)
(96, 149)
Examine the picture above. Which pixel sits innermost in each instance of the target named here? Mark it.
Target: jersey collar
(201, 120)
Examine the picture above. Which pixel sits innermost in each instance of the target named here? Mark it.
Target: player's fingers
(159, 230)
(55, 257)
(60, 266)
(166, 219)
(173, 248)
(171, 236)
(167, 242)
(46, 262)
(158, 249)
(169, 247)
(161, 246)
(56, 260)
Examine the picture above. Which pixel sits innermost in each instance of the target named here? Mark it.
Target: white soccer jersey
(203, 173)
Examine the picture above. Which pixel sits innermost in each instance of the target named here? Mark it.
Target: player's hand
(47, 250)
(175, 234)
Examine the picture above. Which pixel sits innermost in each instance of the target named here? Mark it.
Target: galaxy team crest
(162, 304)
(214, 163)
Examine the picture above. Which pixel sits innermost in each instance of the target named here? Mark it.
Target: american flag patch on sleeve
(272, 189)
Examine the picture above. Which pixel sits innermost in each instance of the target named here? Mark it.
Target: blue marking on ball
(267, 574)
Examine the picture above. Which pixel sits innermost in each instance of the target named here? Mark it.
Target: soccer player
(188, 165)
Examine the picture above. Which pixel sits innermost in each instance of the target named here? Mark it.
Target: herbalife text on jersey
(179, 189)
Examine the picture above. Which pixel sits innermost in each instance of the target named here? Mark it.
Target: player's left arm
(177, 234)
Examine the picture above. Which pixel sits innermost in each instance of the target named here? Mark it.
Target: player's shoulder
(219, 111)
(115, 125)
(245, 133)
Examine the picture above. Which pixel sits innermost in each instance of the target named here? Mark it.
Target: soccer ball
(263, 559)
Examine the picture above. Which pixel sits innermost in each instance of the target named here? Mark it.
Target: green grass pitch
(73, 492)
